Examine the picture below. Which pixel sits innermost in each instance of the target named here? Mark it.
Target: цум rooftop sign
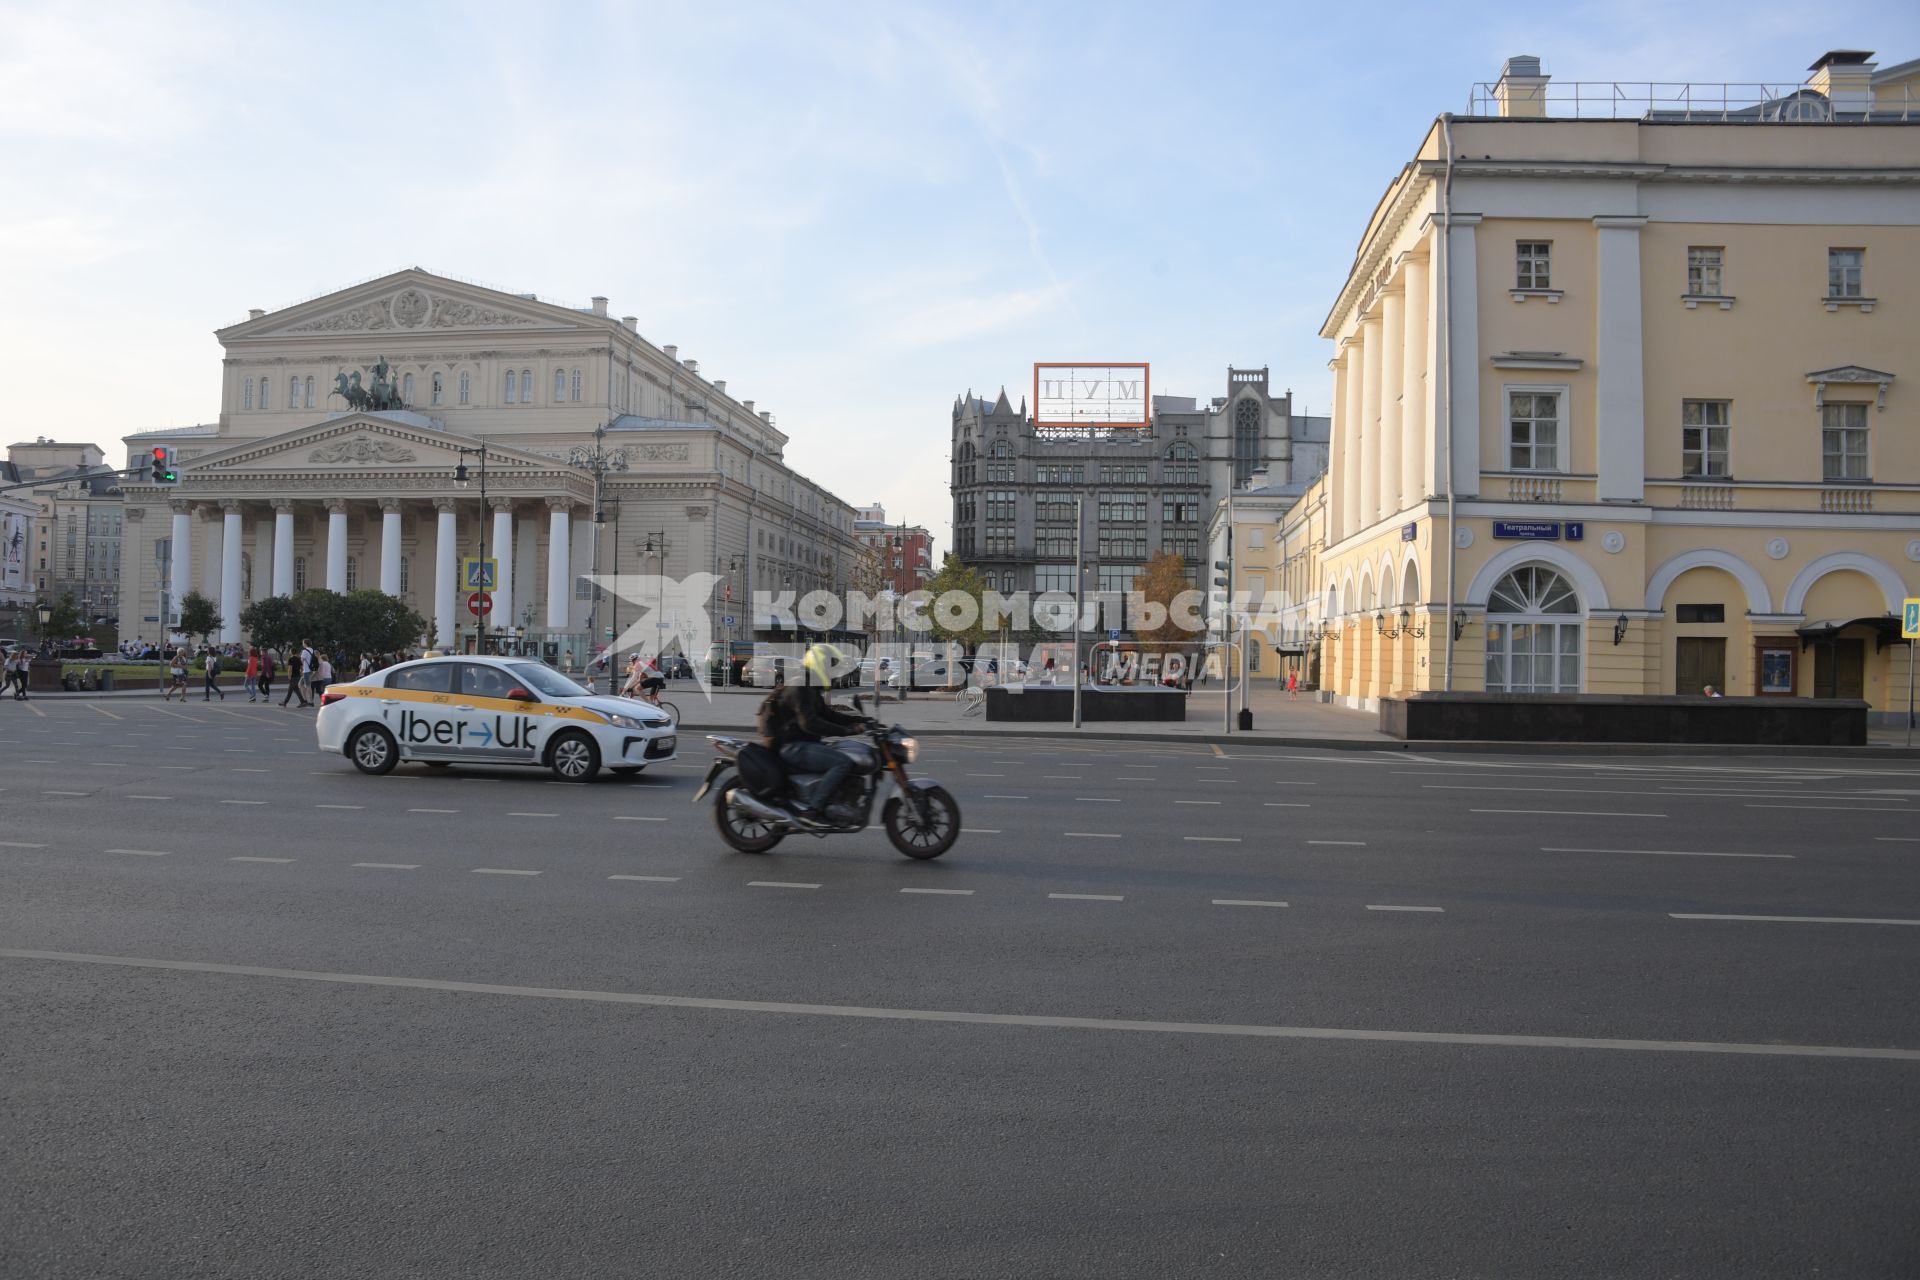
(1091, 395)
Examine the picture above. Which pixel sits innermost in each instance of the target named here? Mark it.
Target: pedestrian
(176, 675)
(210, 662)
(296, 676)
(323, 675)
(1293, 682)
(253, 674)
(1046, 674)
(266, 675)
(18, 667)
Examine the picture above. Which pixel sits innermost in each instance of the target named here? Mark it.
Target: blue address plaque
(1544, 529)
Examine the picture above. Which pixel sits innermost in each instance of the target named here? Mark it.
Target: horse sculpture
(383, 394)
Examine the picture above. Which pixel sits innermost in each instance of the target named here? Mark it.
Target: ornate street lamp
(598, 459)
(486, 579)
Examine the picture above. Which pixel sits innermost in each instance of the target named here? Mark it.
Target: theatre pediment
(410, 303)
(362, 442)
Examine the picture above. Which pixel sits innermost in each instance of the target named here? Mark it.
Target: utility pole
(486, 579)
(1079, 595)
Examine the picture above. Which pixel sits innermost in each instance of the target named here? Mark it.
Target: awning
(1886, 630)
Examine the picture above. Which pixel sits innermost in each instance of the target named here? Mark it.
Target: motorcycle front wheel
(928, 836)
(742, 831)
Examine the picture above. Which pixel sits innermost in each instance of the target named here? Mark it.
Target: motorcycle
(753, 808)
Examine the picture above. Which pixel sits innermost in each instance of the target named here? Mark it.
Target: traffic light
(1220, 580)
(163, 471)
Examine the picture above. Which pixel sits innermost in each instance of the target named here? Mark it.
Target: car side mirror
(517, 694)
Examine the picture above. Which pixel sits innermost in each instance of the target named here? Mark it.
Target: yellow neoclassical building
(1625, 398)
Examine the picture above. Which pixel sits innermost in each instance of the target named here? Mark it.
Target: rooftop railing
(1677, 102)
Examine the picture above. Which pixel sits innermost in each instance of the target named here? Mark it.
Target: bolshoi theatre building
(336, 462)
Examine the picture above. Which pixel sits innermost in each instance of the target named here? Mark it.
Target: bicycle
(652, 698)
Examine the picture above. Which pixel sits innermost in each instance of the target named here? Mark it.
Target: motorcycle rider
(796, 717)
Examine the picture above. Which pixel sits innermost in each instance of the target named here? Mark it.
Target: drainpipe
(1446, 375)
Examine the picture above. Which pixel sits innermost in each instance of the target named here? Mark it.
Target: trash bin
(106, 682)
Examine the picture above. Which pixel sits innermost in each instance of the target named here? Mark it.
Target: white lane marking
(1283, 783)
(780, 884)
(1573, 813)
(168, 766)
(1702, 915)
(1665, 853)
(1063, 777)
(986, 775)
(1093, 835)
(243, 802)
(102, 764)
(636, 817)
(1197, 802)
(142, 853)
(1245, 902)
(1374, 906)
(1089, 897)
(1541, 791)
(63, 793)
(1211, 839)
(954, 893)
(501, 871)
(980, 831)
(28, 844)
(1030, 1020)
(1880, 807)
(991, 796)
(433, 811)
(1098, 799)
(651, 879)
(244, 770)
(1900, 839)
(1353, 842)
(532, 815)
(339, 806)
(390, 866)
(1285, 804)
(245, 858)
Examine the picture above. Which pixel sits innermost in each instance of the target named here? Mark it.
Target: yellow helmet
(821, 660)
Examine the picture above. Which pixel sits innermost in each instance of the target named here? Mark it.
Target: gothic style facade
(293, 487)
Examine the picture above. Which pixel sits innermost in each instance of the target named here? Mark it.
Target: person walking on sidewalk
(1293, 683)
(211, 664)
(296, 676)
(266, 675)
(322, 676)
(253, 673)
(18, 667)
(176, 675)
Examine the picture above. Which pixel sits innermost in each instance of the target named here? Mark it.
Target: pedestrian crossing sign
(1910, 619)
(476, 574)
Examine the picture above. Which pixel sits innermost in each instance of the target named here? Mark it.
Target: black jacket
(800, 713)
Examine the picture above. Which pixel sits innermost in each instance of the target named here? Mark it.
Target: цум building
(1619, 400)
(290, 489)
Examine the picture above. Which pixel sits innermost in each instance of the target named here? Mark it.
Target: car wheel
(573, 757)
(373, 750)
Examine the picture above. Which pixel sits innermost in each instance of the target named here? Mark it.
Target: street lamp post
(1079, 596)
(486, 579)
(599, 460)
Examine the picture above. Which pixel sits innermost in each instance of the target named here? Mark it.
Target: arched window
(1246, 438)
(406, 389)
(263, 393)
(293, 393)
(576, 384)
(246, 394)
(309, 400)
(1000, 449)
(466, 387)
(1182, 464)
(353, 573)
(559, 385)
(526, 386)
(299, 573)
(1533, 633)
(512, 385)
(439, 391)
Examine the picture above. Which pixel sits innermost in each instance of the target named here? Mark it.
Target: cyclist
(643, 679)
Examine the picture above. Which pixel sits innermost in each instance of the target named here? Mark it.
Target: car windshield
(543, 679)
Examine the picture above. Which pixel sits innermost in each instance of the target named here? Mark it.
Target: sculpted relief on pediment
(362, 449)
(415, 309)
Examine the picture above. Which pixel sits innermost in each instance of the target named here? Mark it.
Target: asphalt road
(1164, 1011)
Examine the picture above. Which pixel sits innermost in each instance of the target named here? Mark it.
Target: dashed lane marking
(1197, 802)
(390, 866)
(652, 879)
(1089, 897)
(986, 775)
(25, 844)
(980, 831)
(1378, 906)
(102, 764)
(1245, 902)
(339, 806)
(1285, 804)
(780, 884)
(1029, 1021)
(246, 770)
(501, 871)
(246, 858)
(1098, 799)
(1879, 806)
(1666, 853)
(433, 811)
(143, 853)
(532, 815)
(636, 817)
(1899, 839)
(63, 793)
(1361, 843)
(1092, 835)
(1573, 813)
(243, 802)
(149, 797)
(991, 796)
(1698, 915)
(950, 893)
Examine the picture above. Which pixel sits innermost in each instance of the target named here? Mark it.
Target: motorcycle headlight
(910, 748)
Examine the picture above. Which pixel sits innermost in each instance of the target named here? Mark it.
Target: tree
(963, 626)
(1162, 581)
(199, 616)
(273, 622)
(63, 622)
(367, 621)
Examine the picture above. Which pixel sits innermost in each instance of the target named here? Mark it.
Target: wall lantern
(1459, 623)
(1406, 625)
(1620, 628)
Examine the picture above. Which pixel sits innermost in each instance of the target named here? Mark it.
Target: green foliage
(63, 622)
(1161, 582)
(199, 616)
(367, 621)
(955, 575)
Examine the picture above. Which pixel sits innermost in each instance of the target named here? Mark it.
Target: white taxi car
(484, 710)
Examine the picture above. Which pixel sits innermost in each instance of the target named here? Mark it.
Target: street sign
(1548, 529)
(1409, 531)
(477, 574)
(1910, 619)
(1113, 634)
(479, 604)
(727, 621)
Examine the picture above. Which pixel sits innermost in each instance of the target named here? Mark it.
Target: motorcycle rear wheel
(742, 832)
(929, 838)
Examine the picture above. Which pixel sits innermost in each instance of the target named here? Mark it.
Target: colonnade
(1383, 402)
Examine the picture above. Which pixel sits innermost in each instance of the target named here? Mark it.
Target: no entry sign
(479, 604)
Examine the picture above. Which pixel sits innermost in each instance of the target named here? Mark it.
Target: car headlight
(627, 722)
(910, 748)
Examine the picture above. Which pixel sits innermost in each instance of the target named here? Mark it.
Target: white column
(559, 566)
(283, 546)
(1414, 378)
(1371, 343)
(209, 574)
(390, 546)
(501, 545)
(1393, 360)
(180, 564)
(230, 602)
(1350, 437)
(1460, 345)
(446, 574)
(337, 545)
(1621, 404)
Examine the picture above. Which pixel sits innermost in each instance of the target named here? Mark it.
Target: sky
(852, 212)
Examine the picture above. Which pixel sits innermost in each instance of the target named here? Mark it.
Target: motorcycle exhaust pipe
(746, 802)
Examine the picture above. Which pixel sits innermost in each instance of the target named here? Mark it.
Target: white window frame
(266, 389)
(526, 386)
(406, 389)
(1707, 279)
(578, 382)
(1705, 451)
(1852, 279)
(1499, 638)
(1563, 442)
(466, 387)
(1533, 270)
(1844, 429)
(309, 397)
(559, 385)
(246, 393)
(438, 391)
(293, 392)
(513, 385)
